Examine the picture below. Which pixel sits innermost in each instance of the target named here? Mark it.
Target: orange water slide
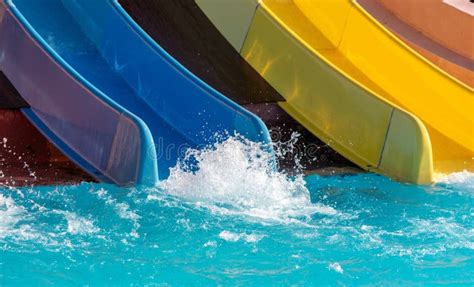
(440, 30)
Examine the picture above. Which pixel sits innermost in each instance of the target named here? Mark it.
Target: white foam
(464, 177)
(10, 215)
(124, 212)
(237, 177)
(235, 237)
(210, 244)
(336, 267)
(442, 233)
(14, 224)
(79, 225)
(122, 209)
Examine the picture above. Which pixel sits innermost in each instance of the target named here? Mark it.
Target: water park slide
(356, 86)
(420, 29)
(174, 24)
(448, 22)
(26, 157)
(64, 106)
(103, 92)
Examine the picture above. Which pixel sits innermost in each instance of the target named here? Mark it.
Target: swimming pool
(235, 222)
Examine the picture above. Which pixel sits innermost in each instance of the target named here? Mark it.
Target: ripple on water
(232, 220)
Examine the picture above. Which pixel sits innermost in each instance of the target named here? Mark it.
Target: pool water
(236, 222)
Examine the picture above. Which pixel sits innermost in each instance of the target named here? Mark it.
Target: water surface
(235, 222)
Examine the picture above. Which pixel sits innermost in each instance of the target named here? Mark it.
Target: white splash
(235, 237)
(79, 225)
(237, 177)
(122, 209)
(210, 244)
(124, 212)
(15, 225)
(10, 215)
(336, 267)
(463, 177)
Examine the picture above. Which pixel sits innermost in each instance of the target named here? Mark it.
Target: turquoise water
(236, 223)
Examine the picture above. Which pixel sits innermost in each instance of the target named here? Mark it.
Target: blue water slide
(102, 137)
(105, 52)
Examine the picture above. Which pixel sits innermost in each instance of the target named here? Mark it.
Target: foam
(336, 267)
(10, 215)
(235, 237)
(122, 209)
(237, 177)
(79, 225)
(464, 177)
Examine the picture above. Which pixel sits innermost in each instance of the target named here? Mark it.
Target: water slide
(106, 94)
(457, 15)
(354, 84)
(174, 24)
(417, 24)
(26, 157)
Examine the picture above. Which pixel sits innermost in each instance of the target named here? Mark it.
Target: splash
(336, 267)
(234, 237)
(6, 180)
(122, 210)
(238, 177)
(381, 223)
(79, 225)
(10, 215)
(464, 178)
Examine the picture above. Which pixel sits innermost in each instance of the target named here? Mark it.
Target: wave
(238, 177)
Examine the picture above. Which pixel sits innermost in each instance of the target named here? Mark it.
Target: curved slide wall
(414, 26)
(403, 77)
(180, 109)
(440, 20)
(95, 46)
(175, 24)
(97, 134)
(27, 158)
(357, 87)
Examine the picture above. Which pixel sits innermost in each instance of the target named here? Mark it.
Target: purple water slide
(100, 136)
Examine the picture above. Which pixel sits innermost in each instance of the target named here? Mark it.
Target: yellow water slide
(354, 84)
